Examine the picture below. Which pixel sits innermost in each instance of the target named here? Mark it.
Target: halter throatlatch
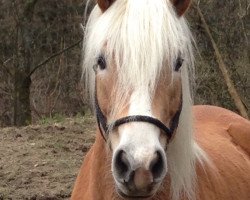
(104, 127)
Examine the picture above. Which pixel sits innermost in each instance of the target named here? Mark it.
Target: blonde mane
(140, 37)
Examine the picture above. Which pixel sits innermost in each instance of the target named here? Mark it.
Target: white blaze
(140, 139)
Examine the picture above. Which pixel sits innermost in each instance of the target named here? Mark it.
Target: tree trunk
(22, 111)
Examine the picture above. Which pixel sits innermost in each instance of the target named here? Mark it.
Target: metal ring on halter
(104, 127)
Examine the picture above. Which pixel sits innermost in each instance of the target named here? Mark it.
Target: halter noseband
(105, 127)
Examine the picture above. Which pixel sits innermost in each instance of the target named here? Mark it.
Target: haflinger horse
(151, 143)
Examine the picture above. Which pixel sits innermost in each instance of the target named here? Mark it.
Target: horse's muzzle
(135, 181)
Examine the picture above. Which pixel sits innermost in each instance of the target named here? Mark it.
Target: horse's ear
(181, 6)
(104, 4)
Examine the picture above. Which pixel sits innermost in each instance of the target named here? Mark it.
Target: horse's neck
(94, 180)
(102, 185)
(99, 171)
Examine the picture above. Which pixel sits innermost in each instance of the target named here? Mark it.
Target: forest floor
(41, 162)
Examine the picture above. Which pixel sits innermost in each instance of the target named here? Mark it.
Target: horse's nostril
(121, 164)
(157, 166)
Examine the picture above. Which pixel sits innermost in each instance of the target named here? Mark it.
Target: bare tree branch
(3, 64)
(54, 55)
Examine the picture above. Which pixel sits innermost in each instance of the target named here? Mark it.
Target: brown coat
(222, 134)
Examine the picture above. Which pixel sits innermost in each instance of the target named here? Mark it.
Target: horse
(151, 142)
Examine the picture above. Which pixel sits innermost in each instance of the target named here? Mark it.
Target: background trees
(229, 25)
(40, 55)
(39, 67)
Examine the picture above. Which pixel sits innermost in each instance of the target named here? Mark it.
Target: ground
(41, 162)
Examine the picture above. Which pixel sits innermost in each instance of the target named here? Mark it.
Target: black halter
(105, 127)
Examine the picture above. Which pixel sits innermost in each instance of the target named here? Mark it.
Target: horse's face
(139, 161)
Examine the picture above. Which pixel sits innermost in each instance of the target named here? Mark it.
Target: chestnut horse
(151, 143)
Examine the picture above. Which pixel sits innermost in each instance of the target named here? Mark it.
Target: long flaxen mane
(142, 37)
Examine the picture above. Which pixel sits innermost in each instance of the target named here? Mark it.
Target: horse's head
(140, 50)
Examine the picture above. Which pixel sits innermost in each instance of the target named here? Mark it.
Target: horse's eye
(101, 62)
(178, 64)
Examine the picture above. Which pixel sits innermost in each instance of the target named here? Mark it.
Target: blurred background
(40, 57)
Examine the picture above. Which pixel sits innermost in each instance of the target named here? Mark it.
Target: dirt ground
(40, 162)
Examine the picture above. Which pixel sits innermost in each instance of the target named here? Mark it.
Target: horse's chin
(137, 195)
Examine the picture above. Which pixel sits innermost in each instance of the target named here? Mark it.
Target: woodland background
(40, 57)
